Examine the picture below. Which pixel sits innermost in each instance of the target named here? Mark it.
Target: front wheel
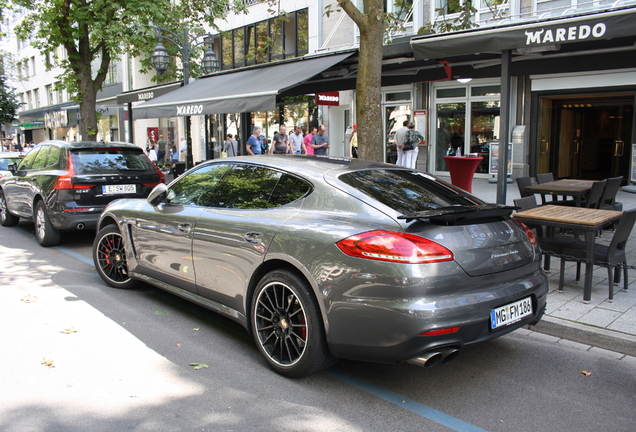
(45, 232)
(109, 256)
(6, 218)
(287, 325)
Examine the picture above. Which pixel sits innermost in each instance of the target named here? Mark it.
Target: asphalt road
(77, 355)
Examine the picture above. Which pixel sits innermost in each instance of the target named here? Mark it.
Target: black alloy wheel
(109, 256)
(287, 325)
(45, 232)
(6, 218)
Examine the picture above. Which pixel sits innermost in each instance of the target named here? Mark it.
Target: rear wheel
(6, 218)
(45, 232)
(287, 325)
(110, 260)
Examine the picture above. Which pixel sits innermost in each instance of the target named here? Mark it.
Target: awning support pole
(504, 127)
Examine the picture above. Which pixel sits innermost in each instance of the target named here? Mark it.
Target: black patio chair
(522, 183)
(612, 256)
(593, 198)
(608, 199)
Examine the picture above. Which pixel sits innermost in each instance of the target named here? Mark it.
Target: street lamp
(160, 60)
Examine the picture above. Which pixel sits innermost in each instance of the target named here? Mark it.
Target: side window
(54, 157)
(289, 189)
(197, 188)
(40, 159)
(28, 159)
(247, 187)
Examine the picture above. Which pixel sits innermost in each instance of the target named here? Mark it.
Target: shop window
(397, 97)
(451, 92)
(493, 90)
(302, 32)
(228, 51)
(262, 43)
(239, 47)
(276, 35)
(250, 45)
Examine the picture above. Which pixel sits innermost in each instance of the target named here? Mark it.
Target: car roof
(89, 144)
(309, 165)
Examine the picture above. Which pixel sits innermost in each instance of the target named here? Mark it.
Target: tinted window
(247, 187)
(29, 158)
(197, 187)
(289, 189)
(40, 159)
(109, 161)
(54, 157)
(406, 191)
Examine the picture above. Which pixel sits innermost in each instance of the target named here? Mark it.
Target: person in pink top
(307, 140)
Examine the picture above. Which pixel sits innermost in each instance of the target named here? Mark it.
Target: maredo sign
(329, 98)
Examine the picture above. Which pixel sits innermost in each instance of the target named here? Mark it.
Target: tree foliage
(95, 33)
(9, 102)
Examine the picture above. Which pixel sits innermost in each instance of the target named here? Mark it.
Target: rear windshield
(5, 162)
(105, 161)
(407, 191)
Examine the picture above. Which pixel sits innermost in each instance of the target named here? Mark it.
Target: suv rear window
(406, 191)
(107, 161)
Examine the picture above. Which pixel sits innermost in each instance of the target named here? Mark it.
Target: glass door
(451, 127)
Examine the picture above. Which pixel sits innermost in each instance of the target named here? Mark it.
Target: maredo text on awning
(328, 98)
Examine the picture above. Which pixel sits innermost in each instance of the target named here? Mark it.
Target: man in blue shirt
(253, 143)
(320, 142)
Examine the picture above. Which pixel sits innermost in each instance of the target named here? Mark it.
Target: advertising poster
(493, 166)
(153, 134)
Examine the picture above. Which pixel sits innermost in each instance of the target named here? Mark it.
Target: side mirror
(13, 168)
(157, 194)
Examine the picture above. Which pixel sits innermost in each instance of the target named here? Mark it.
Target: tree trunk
(88, 113)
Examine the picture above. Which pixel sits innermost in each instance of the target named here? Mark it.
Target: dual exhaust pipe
(430, 358)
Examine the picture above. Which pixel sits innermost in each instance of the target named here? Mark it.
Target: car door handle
(185, 227)
(252, 237)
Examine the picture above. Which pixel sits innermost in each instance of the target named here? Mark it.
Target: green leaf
(198, 366)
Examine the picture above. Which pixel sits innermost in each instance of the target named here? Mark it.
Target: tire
(46, 234)
(109, 256)
(6, 218)
(287, 325)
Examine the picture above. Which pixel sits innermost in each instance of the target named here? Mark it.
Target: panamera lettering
(492, 234)
(501, 255)
(184, 110)
(581, 32)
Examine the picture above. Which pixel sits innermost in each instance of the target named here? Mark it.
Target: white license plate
(119, 189)
(510, 313)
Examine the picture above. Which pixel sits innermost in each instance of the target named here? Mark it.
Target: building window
(111, 76)
(49, 95)
(36, 98)
(266, 41)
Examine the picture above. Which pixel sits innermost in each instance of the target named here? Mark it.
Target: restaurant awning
(245, 90)
(544, 35)
(144, 94)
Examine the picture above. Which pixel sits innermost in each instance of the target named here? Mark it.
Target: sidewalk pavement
(601, 324)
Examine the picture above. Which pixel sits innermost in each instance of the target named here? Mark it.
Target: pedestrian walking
(320, 142)
(412, 140)
(307, 141)
(399, 142)
(183, 150)
(161, 147)
(253, 146)
(230, 146)
(280, 143)
(353, 142)
(297, 141)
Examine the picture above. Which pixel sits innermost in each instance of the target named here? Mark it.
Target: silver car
(325, 258)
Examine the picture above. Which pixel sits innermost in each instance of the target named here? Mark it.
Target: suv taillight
(162, 177)
(394, 247)
(64, 182)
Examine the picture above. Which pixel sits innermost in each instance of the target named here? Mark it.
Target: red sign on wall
(153, 134)
(328, 98)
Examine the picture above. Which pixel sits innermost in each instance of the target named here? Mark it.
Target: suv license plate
(119, 189)
(510, 313)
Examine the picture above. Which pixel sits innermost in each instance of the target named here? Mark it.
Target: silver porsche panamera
(324, 258)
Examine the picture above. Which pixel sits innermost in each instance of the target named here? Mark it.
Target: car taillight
(529, 232)
(65, 180)
(162, 177)
(394, 247)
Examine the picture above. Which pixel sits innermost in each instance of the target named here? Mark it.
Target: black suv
(64, 186)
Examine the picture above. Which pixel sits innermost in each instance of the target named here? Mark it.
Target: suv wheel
(45, 233)
(6, 218)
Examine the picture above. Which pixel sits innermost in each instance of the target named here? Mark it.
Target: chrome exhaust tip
(427, 360)
(449, 354)
(80, 226)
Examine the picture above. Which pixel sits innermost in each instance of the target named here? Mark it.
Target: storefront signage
(329, 98)
(493, 166)
(34, 123)
(145, 96)
(543, 36)
(186, 110)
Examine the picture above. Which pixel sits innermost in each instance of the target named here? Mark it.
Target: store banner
(328, 98)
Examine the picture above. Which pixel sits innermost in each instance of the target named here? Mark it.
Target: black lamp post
(160, 60)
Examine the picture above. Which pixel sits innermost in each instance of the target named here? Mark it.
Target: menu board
(493, 165)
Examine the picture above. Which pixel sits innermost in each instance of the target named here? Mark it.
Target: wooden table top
(573, 215)
(565, 185)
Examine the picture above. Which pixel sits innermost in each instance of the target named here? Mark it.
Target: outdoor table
(462, 169)
(574, 218)
(566, 187)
